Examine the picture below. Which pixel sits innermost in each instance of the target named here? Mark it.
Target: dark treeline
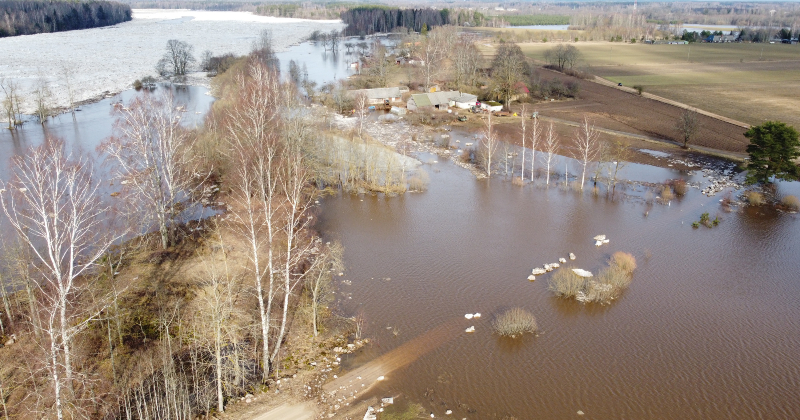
(33, 17)
(369, 20)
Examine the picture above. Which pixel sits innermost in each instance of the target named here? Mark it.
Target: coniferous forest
(371, 19)
(33, 17)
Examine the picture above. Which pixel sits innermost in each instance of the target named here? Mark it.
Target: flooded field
(708, 328)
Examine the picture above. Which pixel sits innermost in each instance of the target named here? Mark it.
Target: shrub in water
(680, 187)
(564, 283)
(514, 322)
(791, 202)
(666, 193)
(754, 198)
(623, 261)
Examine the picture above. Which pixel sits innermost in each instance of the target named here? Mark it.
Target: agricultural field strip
(602, 81)
(657, 140)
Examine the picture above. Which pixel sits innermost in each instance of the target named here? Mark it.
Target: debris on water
(387, 400)
(470, 329)
(476, 315)
(532, 278)
(538, 271)
(605, 241)
(581, 272)
(468, 316)
(370, 415)
(580, 413)
(599, 237)
(562, 260)
(572, 256)
(598, 243)
(448, 412)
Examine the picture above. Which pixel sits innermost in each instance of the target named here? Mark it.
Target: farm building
(432, 100)
(380, 95)
(465, 101)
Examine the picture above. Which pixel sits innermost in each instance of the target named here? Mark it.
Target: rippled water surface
(707, 330)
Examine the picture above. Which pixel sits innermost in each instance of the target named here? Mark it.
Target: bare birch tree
(362, 110)
(488, 146)
(67, 72)
(586, 146)
(42, 98)
(433, 51)
(319, 280)
(10, 101)
(536, 133)
(152, 161)
(550, 149)
(295, 181)
(251, 127)
(52, 203)
(523, 126)
(466, 59)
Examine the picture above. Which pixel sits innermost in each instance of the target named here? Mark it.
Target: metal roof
(435, 98)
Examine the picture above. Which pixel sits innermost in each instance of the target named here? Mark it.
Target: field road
(299, 411)
(602, 81)
(359, 380)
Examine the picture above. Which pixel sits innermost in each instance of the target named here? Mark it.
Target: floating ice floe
(387, 400)
(571, 256)
(470, 329)
(448, 412)
(476, 315)
(380, 378)
(370, 414)
(599, 237)
(581, 272)
(598, 243)
(531, 277)
(562, 260)
(538, 271)
(468, 316)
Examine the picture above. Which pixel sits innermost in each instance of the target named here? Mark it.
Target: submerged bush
(681, 187)
(666, 193)
(623, 261)
(754, 198)
(565, 283)
(791, 202)
(603, 288)
(419, 181)
(514, 322)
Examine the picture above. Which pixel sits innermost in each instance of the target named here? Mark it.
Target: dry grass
(624, 261)
(791, 202)
(514, 322)
(517, 181)
(754, 198)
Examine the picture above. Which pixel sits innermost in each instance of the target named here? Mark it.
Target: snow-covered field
(111, 58)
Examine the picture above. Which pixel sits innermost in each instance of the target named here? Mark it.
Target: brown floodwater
(709, 328)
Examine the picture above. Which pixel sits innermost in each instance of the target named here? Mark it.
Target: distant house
(381, 95)
(432, 100)
(721, 38)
